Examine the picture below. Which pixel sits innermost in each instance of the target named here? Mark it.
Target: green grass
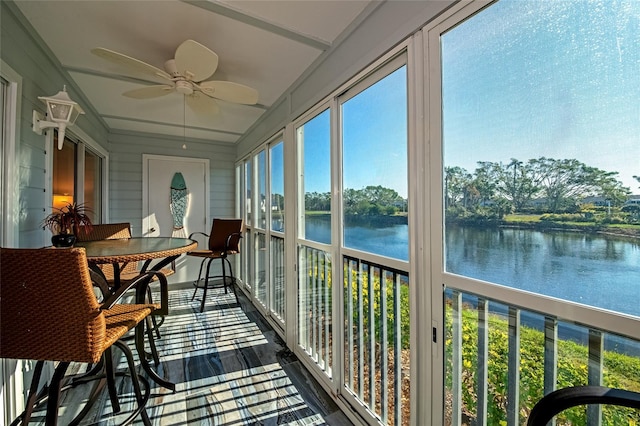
(535, 219)
(522, 218)
(619, 370)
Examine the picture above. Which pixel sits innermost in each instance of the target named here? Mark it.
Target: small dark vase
(63, 240)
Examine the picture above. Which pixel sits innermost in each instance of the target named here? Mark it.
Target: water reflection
(594, 270)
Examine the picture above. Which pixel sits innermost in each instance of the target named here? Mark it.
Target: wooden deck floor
(230, 368)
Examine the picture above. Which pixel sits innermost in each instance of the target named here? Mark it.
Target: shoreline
(631, 234)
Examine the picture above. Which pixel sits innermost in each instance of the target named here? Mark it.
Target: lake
(595, 270)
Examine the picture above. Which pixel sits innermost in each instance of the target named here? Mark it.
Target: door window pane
(93, 185)
(314, 143)
(374, 145)
(64, 174)
(541, 152)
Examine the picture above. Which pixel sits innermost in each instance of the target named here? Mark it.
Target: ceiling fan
(187, 74)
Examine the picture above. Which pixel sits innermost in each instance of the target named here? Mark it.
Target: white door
(158, 218)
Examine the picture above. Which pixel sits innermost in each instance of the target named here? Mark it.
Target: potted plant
(66, 222)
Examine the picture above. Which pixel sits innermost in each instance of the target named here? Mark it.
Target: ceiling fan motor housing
(184, 87)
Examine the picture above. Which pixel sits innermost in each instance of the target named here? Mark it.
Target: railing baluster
(513, 368)
(350, 324)
(456, 358)
(372, 337)
(397, 352)
(384, 348)
(594, 372)
(360, 333)
(483, 347)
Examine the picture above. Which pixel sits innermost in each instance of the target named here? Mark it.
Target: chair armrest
(228, 242)
(197, 233)
(562, 399)
(141, 283)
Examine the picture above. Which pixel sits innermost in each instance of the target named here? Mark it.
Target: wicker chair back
(48, 310)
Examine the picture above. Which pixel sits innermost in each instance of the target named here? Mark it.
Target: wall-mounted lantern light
(62, 112)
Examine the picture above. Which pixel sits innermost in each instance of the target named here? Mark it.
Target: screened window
(313, 139)
(276, 154)
(374, 146)
(540, 144)
(248, 179)
(261, 174)
(73, 184)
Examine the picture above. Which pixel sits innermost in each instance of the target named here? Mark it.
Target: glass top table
(135, 249)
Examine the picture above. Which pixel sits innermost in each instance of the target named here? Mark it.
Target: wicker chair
(115, 231)
(127, 271)
(224, 241)
(66, 325)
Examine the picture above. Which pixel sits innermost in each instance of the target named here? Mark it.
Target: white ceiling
(264, 44)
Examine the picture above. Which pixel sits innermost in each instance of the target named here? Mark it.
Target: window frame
(590, 316)
(83, 143)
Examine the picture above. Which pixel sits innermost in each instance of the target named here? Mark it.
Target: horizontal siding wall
(42, 75)
(125, 173)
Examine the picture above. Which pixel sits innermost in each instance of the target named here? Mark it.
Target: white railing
(376, 316)
(277, 278)
(315, 327)
(500, 360)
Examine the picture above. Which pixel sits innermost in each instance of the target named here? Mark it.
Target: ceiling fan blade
(229, 91)
(195, 61)
(202, 105)
(130, 63)
(149, 92)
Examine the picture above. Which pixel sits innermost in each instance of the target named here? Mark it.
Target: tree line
(368, 201)
(542, 184)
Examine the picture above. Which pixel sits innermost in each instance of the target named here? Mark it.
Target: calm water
(594, 270)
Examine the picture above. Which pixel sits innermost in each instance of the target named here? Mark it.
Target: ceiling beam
(180, 126)
(232, 13)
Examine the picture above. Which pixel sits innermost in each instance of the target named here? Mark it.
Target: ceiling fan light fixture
(184, 87)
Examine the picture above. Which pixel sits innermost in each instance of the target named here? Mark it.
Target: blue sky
(523, 79)
(561, 79)
(374, 136)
